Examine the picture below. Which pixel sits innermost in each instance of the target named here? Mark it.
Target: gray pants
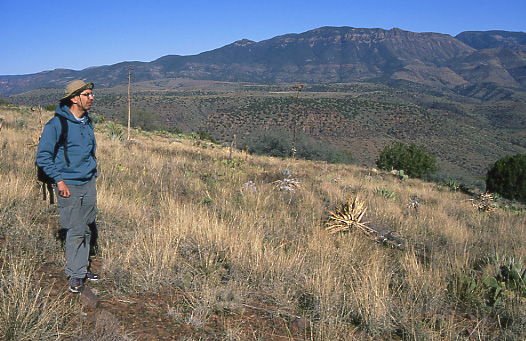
(77, 213)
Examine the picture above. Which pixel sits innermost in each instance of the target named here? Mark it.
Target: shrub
(20, 124)
(115, 131)
(50, 107)
(507, 177)
(97, 118)
(139, 118)
(310, 149)
(5, 102)
(204, 136)
(278, 142)
(414, 160)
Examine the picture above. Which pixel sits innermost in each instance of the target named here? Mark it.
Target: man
(73, 167)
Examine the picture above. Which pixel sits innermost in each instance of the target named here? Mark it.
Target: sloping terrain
(466, 132)
(198, 243)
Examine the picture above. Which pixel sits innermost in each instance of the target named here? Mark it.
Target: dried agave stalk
(348, 216)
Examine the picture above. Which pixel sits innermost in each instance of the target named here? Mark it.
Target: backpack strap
(62, 140)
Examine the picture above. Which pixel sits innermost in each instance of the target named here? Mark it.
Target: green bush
(414, 160)
(507, 177)
(204, 136)
(97, 118)
(278, 143)
(385, 192)
(310, 149)
(5, 102)
(139, 119)
(50, 107)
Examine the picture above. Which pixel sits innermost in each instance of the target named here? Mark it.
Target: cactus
(511, 276)
(514, 276)
(401, 175)
(385, 193)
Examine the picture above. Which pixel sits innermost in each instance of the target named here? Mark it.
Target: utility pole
(129, 100)
(298, 89)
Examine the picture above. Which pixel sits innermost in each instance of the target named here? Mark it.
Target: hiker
(72, 166)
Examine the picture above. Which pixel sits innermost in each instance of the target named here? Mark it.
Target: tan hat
(76, 87)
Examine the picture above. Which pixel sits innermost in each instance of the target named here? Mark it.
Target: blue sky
(45, 35)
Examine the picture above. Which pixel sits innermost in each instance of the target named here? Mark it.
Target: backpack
(47, 182)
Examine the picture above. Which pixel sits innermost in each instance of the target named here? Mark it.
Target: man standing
(71, 163)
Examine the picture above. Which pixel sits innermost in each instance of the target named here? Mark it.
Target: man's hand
(63, 189)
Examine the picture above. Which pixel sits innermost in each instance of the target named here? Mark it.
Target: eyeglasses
(88, 95)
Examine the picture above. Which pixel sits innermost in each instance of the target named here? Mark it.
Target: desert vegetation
(198, 243)
(507, 177)
(279, 142)
(414, 160)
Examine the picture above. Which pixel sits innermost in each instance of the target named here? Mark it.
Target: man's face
(84, 100)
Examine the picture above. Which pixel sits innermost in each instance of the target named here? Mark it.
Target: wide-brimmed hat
(75, 88)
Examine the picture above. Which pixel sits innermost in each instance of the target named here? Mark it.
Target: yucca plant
(286, 184)
(347, 217)
(484, 203)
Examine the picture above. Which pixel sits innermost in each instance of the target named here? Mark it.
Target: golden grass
(184, 216)
(25, 312)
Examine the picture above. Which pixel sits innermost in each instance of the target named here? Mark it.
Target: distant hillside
(493, 39)
(323, 55)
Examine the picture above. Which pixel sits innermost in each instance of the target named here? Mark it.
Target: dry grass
(25, 312)
(187, 217)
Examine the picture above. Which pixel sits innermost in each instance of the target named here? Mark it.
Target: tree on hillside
(414, 160)
(279, 142)
(507, 177)
(139, 118)
(276, 142)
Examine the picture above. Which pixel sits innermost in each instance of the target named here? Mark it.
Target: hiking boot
(92, 277)
(75, 285)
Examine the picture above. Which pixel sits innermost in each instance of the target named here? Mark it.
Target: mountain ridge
(323, 55)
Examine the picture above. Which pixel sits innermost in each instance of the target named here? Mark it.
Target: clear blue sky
(45, 35)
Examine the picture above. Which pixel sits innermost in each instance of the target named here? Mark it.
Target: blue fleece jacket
(81, 147)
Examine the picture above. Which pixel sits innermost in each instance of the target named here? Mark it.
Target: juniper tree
(414, 160)
(507, 177)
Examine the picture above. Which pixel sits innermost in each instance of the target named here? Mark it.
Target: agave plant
(484, 203)
(286, 184)
(348, 216)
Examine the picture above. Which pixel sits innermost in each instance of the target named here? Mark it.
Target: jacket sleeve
(46, 149)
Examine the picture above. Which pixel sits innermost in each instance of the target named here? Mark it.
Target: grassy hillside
(198, 243)
(466, 130)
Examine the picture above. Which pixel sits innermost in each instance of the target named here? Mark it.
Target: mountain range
(325, 55)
